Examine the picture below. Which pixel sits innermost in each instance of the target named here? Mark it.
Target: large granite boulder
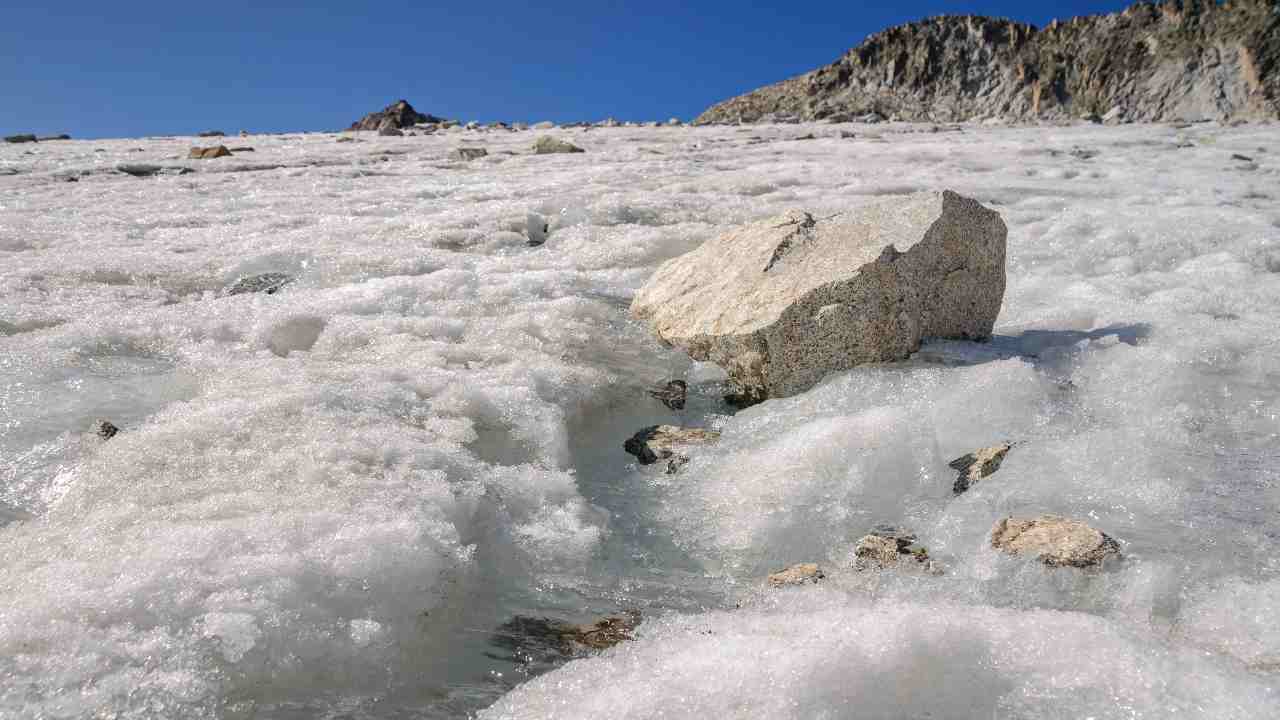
(782, 302)
(399, 114)
(1055, 541)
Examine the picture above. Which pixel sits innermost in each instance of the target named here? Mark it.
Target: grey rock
(672, 394)
(799, 574)
(977, 465)
(269, 283)
(781, 302)
(1190, 59)
(346, 139)
(212, 133)
(547, 145)
(20, 139)
(1055, 541)
(51, 138)
(533, 226)
(1241, 158)
(148, 170)
(391, 132)
(468, 153)
(660, 442)
(209, 153)
(105, 430)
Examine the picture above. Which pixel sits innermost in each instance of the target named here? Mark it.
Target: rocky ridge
(1152, 62)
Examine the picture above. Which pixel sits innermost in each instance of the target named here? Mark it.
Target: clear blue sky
(115, 69)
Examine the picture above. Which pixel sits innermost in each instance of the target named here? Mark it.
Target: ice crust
(322, 501)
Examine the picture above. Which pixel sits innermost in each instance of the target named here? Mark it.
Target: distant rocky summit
(397, 115)
(1175, 60)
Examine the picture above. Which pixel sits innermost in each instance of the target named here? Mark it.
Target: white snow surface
(322, 502)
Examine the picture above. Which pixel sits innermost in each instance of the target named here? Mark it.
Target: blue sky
(115, 69)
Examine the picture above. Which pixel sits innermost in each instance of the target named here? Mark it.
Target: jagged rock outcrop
(399, 114)
(1175, 60)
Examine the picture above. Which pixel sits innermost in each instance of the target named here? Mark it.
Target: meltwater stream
(334, 500)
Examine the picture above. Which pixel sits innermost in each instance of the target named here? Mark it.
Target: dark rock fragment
(672, 394)
(105, 429)
(977, 465)
(658, 442)
(269, 283)
(540, 640)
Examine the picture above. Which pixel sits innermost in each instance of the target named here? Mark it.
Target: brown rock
(209, 153)
(1055, 541)
(889, 547)
(977, 465)
(800, 574)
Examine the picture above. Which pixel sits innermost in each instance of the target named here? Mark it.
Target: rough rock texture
(269, 283)
(468, 153)
(147, 170)
(977, 465)
(547, 145)
(1188, 59)
(660, 442)
(400, 114)
(209, 153)
(782, 302)
(673, 394)
(390, 132)
(797, 575)
(105, 429)
(1056, 541)
(535, 639)
(888, 547)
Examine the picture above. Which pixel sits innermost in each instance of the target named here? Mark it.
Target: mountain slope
(1151, 62)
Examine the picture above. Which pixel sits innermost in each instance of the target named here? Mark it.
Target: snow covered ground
(323, 502)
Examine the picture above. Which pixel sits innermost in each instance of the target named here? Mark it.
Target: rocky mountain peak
(399, 114)
(1175, 60)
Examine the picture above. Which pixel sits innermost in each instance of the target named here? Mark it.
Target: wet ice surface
(324, 501)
